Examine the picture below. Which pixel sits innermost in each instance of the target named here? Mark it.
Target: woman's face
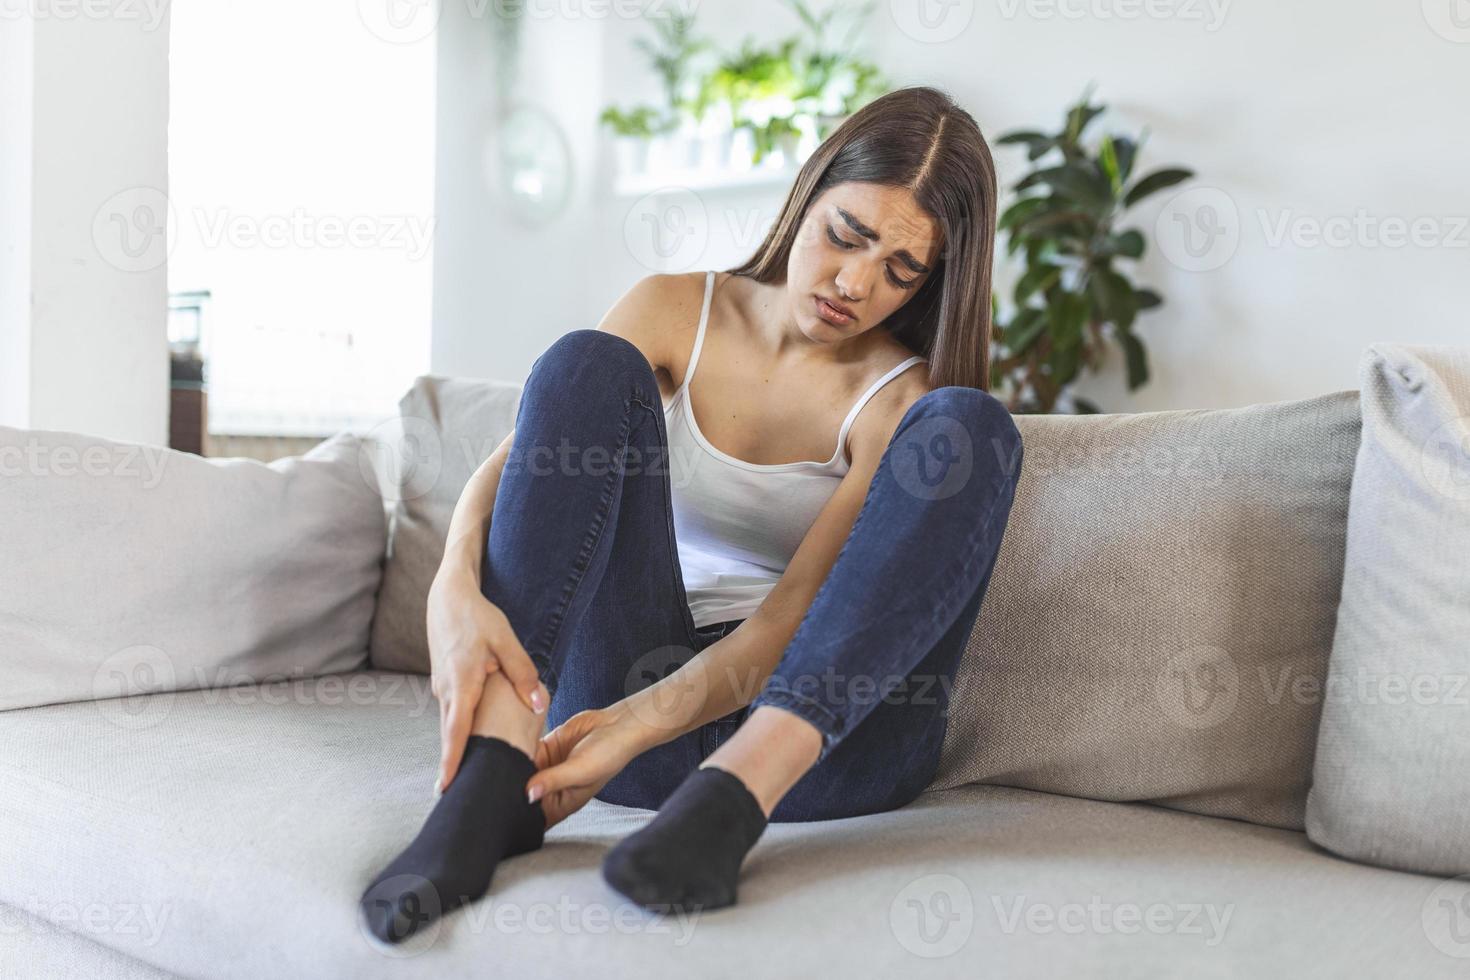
(862, 251)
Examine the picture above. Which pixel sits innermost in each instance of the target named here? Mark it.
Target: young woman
(742, 599)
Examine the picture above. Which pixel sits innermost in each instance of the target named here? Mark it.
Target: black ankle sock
(482, 817)
(688, 857)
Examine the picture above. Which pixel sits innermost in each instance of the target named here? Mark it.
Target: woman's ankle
(769, 752)
(501, 714)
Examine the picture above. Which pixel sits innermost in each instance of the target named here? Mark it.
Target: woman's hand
(579, 756)
(470, 638)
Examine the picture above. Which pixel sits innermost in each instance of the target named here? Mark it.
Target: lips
(831, 309)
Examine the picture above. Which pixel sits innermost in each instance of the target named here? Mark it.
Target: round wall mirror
(531, 163)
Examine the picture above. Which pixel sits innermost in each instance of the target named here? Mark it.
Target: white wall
(503, 290)
(305, 201)
(15, 220)
(89, 331)
(1307, 113)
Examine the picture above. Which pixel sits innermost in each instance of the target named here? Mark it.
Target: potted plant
(1073, 299)
(672, 53)
(831, 82)
(632, 131)
(758, 84)
(647, 130)
(765, 100)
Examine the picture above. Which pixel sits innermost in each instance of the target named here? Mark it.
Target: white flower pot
(631, 154)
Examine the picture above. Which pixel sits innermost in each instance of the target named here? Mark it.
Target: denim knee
(587, 356)
(953, 424)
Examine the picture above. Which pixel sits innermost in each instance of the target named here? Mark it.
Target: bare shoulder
(658, 314)
(874, 426)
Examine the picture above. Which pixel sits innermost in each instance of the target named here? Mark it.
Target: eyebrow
(903, 254)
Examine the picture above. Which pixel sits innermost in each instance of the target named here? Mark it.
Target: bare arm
(464, 546)
(728, 673)
(469, 636)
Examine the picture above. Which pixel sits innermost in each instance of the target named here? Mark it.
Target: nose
(853, 283)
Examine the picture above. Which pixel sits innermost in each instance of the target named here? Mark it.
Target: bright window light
(301, 171)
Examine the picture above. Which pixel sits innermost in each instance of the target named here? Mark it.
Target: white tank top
(737, 524)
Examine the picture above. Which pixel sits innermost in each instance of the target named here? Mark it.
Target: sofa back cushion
(129, 569)
(446, 428)
(1392, 770)
(1159, 620)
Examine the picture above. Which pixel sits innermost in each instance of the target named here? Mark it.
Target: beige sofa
(1123, 791)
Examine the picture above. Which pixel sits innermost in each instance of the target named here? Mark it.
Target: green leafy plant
(671, 53)
(770, 90)
(758, 83)
(644, 121)
(830, 78)
(1072, 299)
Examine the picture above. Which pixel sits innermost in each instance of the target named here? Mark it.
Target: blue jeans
(581, 557)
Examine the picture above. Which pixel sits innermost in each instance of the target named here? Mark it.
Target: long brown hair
(919, 139)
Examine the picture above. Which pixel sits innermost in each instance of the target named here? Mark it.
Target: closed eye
(836, 240)
(849, 246)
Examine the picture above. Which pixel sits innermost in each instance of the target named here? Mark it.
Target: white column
(83, 179)
(15, 220)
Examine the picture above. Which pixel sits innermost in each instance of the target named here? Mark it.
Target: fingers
(456, 716)
(542, 759)
(557, 808)
(513, 659)
(573, 774)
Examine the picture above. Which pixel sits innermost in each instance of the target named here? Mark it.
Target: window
(301, 160)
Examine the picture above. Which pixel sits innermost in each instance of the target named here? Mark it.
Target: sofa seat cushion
(248, 821)
(35, 944)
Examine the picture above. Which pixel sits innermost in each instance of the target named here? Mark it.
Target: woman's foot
(481, 819)
(688, 857)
